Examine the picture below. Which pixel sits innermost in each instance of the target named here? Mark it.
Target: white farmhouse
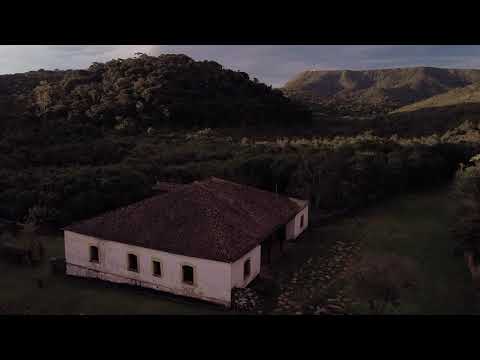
(198, 240)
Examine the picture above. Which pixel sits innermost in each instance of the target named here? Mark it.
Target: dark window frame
(94, 250)
(131, 268)
(247, 269)
(154, 272)
(188, 282)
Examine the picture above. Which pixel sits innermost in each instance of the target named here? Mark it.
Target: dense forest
(137, 93)
(79, 142)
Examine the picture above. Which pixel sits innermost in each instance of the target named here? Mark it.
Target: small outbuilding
(198, 240)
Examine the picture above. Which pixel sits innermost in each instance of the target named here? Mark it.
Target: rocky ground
(311, 288)
(247, 300)
(303, 293)
(304, 280)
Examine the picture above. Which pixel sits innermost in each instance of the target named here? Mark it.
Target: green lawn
(414, 226)
(67, 295)
(417, 226)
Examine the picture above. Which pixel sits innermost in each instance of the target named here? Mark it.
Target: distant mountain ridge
(385, 89)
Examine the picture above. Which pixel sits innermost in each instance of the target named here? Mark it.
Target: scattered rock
(312, 280)
(246, 300)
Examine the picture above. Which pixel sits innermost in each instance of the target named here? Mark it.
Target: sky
(271, 64)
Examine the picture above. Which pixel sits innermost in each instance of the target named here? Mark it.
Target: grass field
(19, 293)
(416, 226)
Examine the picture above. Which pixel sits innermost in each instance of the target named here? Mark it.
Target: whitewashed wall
(293, 227)
(237, 268)
(213, 279)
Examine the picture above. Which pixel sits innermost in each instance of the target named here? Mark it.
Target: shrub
(383, 281)
(42, 214)
(466, 196)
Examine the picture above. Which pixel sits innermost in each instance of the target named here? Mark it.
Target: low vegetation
(384, 281)
(334, 174)
(407, 262)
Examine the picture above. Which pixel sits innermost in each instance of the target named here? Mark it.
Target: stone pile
(246, 300)
(300, 294)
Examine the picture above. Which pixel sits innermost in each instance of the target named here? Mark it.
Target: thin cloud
(272, 64)
(21, 58)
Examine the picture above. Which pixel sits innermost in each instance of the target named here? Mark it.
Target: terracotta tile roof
(212, 219)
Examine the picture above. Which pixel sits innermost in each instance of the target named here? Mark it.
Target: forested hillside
(79, 142)
(69, 139)
(165, 91)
